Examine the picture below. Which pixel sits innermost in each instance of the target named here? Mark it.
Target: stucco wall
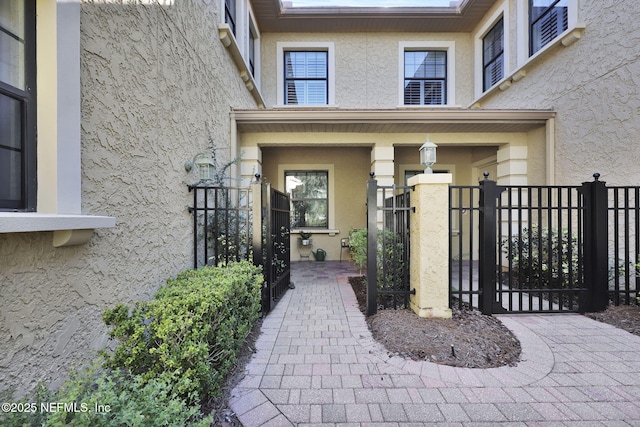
(156, 86)
(367, 69)
(594, 86)
(351, 167)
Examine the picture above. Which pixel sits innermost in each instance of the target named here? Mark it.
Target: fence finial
(257, 177)
(596, 176)
(486, 174)
(372, 174)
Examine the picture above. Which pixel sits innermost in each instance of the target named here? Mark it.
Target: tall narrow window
(17, 105)
(252, 52)
(309, 193)
(306, 78)
(425, 77)
(230, 14)
(547, 20)
(493, 55)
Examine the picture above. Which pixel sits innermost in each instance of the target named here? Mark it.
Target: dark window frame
(546, 14)
(288, 80)
(28, 121)
(423, 80)
(489, 61)
(230, 14)
(294, 220)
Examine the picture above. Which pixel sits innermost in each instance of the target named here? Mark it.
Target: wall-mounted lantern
(428, 155)
(205, 166)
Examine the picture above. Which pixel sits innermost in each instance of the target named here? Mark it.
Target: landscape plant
(542, 258)
(171, 356)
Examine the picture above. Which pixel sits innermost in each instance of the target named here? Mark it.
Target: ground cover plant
(170, 359)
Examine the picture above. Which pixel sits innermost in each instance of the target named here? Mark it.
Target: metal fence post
(372, 245)
(487, 260)
(595, 245)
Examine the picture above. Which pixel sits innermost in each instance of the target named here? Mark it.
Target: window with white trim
(426, 73)
(305, 73)
(18, 175)
(493, 55)
(425, 77)
(306, 77)
(230, 14)
(547, 20)
(309, 193)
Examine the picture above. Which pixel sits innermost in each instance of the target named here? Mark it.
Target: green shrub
(390, 256)
(101, 397)
(189, 335)
(544, 258)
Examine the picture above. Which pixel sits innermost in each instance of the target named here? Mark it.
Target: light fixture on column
(428, 155)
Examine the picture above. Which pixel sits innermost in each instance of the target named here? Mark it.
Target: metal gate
(271, 242)
(522, 249)
(388, 246)
(244, 223)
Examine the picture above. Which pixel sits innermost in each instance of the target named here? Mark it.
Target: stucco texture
(157, 86)
(593, 85)
(367, 69)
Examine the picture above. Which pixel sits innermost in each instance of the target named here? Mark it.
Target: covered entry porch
(345, 146)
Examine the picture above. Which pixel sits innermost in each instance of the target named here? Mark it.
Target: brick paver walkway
(317, 364)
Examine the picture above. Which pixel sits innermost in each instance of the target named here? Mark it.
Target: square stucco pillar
(429, 256)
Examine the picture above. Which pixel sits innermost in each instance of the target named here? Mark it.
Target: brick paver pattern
(316, 363)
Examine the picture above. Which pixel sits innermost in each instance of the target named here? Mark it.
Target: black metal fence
(273, 236)
(222, 224)
(244, 223)
(388, 246)
(544, 248)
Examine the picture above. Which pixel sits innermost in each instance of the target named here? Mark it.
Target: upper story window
(230, 14)
(18, 175)
(306, 77)
(425, 77)
(493, 55)
(547, 20)
(252, 52)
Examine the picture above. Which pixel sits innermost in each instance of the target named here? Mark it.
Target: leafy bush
(544, 258)
(391, 257)
(172, 355)
(189, 335)
(108, 398)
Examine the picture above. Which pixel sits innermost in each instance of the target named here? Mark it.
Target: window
(309, 193)
(306, 77)
(230, 14)
(547, 20)
(425, 77)
(17, 105)
(252, 52)
(493, 55)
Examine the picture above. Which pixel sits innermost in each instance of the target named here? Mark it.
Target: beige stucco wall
(367, 69)
(350, 167)
(156, 86)
(593, 85)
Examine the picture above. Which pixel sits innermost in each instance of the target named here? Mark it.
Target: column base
(431, 312)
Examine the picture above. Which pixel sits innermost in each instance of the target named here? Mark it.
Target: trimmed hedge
(172, 355)
(190, 334)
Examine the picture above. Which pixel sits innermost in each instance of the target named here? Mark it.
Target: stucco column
(250, 164)
(382, 164)
(429, 256)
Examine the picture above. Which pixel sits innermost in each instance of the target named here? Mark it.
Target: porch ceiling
(272, 16)
(390, 121)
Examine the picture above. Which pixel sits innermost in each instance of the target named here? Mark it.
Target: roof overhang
(390, 121)
(273, 17)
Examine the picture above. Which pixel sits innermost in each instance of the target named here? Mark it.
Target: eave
(272, 16)
(390, 121)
